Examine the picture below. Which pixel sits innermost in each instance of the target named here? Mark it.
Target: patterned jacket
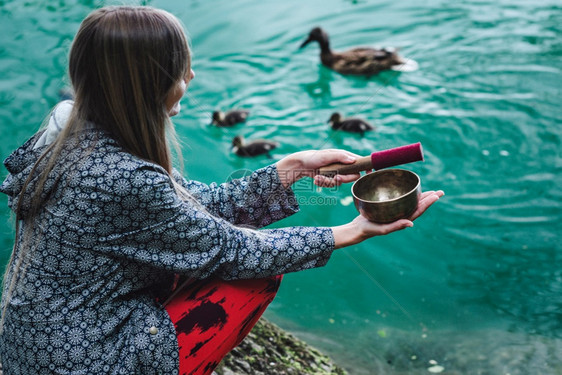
(110, 236)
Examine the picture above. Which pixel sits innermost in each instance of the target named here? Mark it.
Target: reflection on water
(475, 287)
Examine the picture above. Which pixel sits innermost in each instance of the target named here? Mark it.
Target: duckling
(229, 118)
(252, 148)
(352, 125)
(357, 61)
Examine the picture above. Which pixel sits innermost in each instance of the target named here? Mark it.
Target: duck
(229, 118)
(364, 61)
(252, 148)
(352, 125)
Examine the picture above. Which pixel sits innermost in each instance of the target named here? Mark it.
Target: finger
(430, 192)
(337, 180)
(394, 226)
(346, 178)
(330, 156)
(426, 200)
(324, 181)
(338, 150)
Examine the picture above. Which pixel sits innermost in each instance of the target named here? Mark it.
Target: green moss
(270, 350)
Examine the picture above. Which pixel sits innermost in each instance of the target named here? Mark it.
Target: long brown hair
(123, 64)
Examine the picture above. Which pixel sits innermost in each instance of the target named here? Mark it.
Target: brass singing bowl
(387, 195)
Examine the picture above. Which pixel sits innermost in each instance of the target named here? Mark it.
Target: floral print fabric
(110, 236)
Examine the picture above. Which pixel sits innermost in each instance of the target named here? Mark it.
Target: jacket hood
(20, 163)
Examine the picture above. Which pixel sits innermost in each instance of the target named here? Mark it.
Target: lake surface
(476, 285)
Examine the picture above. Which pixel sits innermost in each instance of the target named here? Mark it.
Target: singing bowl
(387, 195)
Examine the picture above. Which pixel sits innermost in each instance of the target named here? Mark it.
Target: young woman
(121, 266)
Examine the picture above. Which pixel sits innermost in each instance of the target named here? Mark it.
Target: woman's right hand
(360, 229)
(306, 164)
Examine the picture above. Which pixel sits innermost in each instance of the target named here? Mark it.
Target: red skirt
(213, 316)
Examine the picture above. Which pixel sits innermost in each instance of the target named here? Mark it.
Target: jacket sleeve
(137, 214)
(257, 200)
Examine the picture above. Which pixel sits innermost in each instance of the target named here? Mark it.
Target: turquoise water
(476, 285)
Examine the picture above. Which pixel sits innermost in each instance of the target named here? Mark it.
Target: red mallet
(377, 160)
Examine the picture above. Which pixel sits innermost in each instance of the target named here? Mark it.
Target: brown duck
(352, 125)
(252, 148)
(229, 118)
(365, 61)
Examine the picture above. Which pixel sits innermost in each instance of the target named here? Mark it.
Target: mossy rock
(270, 350)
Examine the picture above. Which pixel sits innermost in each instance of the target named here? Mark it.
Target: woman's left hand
(360, 228)
(306, 164)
